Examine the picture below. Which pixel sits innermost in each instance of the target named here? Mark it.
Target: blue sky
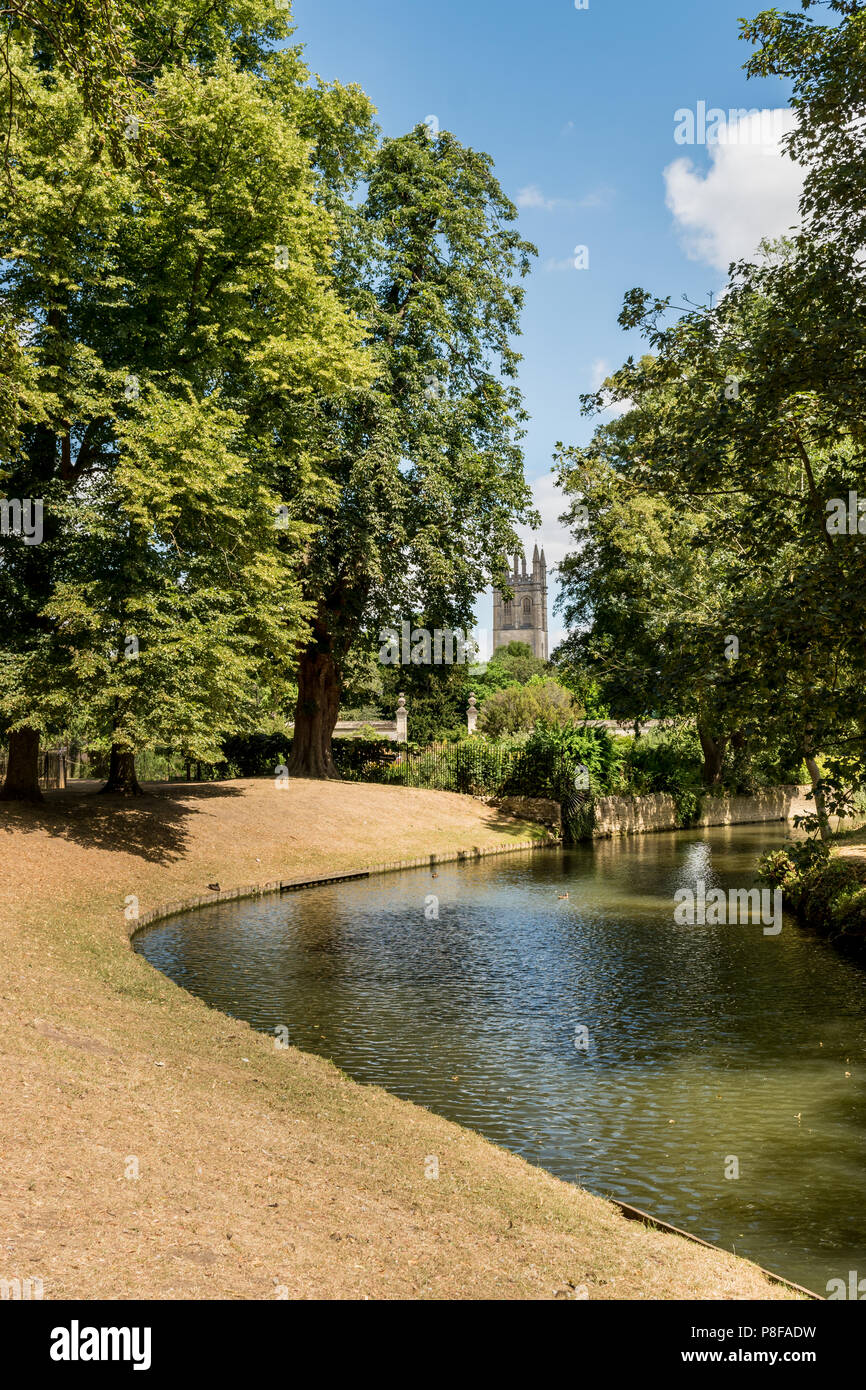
(577, 109)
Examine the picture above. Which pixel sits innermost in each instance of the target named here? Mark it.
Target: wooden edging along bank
(635, 1214)
(460, 856)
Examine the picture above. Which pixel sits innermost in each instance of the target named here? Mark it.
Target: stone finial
(402, 721)
(471, 715)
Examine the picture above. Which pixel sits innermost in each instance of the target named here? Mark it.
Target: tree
(514, 662)
(112, 50)
(425, 468)
(195, 309)
(732, 601)
(518, 708)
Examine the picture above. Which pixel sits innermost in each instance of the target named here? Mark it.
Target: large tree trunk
(714, 753)
(121, 774)
(22, 771)
(820, 804)
(315, 714)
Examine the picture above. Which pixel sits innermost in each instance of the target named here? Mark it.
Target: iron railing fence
(471, 768)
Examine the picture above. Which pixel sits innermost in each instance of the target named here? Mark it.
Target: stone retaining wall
(639, 815)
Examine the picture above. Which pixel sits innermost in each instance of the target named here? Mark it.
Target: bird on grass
(214, 887)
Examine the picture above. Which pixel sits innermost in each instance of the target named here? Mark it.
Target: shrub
(594, 749)
(521, 707)
(257, 755)
(664, 760)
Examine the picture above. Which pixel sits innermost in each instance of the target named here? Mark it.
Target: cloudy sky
(582, 112)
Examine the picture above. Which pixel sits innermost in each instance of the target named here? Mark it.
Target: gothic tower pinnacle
(523, 618)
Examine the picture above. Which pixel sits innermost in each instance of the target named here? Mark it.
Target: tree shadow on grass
(516, 825)
(153, 826)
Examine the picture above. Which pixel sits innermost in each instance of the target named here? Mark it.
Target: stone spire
(524, 618)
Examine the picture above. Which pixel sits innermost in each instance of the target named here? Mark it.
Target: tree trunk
(22, 771)
(315, 715)
(820, 804)
(121, 774)
(714, 753)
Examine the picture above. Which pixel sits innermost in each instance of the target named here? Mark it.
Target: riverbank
(830, 896)
(155, 1148)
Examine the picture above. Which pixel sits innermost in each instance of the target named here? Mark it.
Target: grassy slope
(264, 1173)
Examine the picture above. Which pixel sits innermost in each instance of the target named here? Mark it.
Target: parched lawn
(262, 1173)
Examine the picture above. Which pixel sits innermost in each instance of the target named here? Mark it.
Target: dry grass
(263, 1173)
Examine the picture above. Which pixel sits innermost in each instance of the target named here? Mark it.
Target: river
(712, 1075)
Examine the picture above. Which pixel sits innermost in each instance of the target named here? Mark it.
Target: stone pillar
(402, 720)
(471, 715)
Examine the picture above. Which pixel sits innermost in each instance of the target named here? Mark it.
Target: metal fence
(474, 769)
(52, 768)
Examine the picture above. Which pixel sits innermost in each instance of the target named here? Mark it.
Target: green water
(706, 1044)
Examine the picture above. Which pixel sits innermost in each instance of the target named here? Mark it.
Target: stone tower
(524, 617)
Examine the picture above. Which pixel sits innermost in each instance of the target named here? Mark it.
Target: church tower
(524, 617)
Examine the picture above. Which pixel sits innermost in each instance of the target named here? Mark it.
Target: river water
(712, 1075)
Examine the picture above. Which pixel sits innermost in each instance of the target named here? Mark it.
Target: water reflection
(703, 1043)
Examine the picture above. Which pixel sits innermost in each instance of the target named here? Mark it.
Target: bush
(520, 707)
(256, 755)
(664, 760)
(594, 749)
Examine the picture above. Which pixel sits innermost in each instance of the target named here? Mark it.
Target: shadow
(515, 825)
(152, 826)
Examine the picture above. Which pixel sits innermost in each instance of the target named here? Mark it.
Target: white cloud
(598, 198)
(750, 191)
(552, 538)
(532, 197)
(601, 370)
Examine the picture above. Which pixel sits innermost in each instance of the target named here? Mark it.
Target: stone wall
(638, 815)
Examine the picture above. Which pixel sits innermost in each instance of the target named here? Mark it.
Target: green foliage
(664, 760)
(828, 892)
(591, 748)
(513, 664)
(658, 589)
(585, 688)
(183, 334)
(518, 708)
(437, 698)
